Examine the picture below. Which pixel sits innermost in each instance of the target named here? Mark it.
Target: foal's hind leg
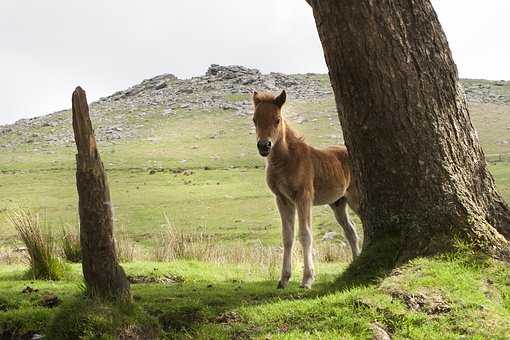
(287, 213)
(341, 215)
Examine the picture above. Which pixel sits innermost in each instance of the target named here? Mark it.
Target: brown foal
(301, 176)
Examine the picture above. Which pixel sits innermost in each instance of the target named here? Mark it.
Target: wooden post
(104, 277)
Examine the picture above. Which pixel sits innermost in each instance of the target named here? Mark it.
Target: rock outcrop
(125, 114)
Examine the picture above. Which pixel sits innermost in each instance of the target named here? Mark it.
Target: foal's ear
(280, 100)
(255, 98)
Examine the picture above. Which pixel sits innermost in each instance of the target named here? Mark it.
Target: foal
(301, 176)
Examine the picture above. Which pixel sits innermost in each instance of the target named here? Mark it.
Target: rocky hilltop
(124, 114)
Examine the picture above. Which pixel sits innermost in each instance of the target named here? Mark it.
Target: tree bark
(416, 157)
(104, 277)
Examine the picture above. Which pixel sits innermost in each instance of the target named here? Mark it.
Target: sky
(47, 48)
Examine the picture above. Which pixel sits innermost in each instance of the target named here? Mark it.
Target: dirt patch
(135, 332)
(228, 318)
(50, 301)
(181, 319)
(166, 279)
(246, 333)
(431, 303)
(29, 290)
(379, 333)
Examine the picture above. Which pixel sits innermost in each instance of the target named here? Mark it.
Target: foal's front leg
(287, 211)
(304, 209)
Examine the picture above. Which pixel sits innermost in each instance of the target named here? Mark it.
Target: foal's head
(267, 119)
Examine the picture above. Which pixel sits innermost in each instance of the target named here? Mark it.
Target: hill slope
(125, 114)
(185, 150)
(150, 133)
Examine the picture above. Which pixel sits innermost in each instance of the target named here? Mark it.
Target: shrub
(71, 247)
(44, 262)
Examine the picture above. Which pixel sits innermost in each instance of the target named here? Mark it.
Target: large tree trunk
(104, 277)
(416, 157)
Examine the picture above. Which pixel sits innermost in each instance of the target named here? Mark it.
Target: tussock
(71, 248)
(127, 251)
(40, 244)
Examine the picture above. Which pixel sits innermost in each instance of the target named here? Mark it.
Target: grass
(200, 201)
(492, 122)
(71, 247)
(238, 97)
(446, 297)
(226, 174)
(199, 173)
(174, 245)
(40, 246)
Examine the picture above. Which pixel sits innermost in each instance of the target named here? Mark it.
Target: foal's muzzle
(264, 147)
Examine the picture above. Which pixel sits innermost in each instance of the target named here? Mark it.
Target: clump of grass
(126, 249)
(41, 249)
(330, 251)
(71, 247)
(173, 244)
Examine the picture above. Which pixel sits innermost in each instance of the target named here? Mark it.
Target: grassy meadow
(200, 169)
(456, 296)
(199, 172)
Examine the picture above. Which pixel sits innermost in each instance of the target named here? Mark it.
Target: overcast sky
(49, 47)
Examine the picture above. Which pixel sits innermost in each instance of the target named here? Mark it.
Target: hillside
(129, 113)
(199, 236)
(185, 148)
(133, 112)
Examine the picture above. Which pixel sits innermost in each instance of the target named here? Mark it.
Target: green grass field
(224, 193)
(202, 171)
(456, 296)
(226, 176)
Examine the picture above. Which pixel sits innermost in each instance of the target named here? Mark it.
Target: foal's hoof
(307, 283)
(305, 286)
(281, 285)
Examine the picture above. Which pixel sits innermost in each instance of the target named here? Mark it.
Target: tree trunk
(416, 157)
(104, 277)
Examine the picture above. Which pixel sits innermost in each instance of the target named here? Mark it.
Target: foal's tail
(352, 193)
(353, 197)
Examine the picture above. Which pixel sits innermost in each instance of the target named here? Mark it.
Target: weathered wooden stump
(104, 277)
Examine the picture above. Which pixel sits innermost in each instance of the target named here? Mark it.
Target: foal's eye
(277, 121)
